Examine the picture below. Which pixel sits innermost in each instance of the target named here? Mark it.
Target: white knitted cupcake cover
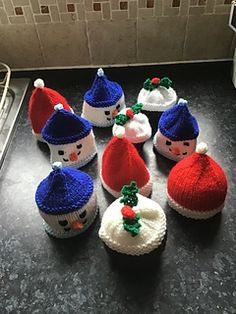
(152, 231)
(194, 214)
(159, 99)
(137, 129)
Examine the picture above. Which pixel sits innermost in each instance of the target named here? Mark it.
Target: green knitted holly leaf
(129, 194)
(132, 226)
(166, 82)
(137, 108)
(147, 84)
(121, 119)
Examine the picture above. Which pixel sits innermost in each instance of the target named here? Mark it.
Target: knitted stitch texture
(197, 184)
(122, 164)
(64, 191)
(103, 93)
(64, 127)
(152, 231)
(41, 106)
(178, 124)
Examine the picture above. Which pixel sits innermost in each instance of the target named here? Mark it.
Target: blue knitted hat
(64, 127)
(178, 124)
(103, 93)
(65, 190)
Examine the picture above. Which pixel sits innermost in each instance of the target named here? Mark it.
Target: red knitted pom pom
(129, 113)
(128, 212)
(155, 80)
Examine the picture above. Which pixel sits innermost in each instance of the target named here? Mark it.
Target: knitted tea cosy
(197, 186)
(103, 101)
(177, 133)
(121, 164)
(136, 125)
(66, 200)
(70, 138)
(41, 106)
(157, 94)
(133, 224)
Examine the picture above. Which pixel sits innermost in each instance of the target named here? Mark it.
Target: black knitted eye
(168, 143)
(83, 214)
(118, 106)
(79, 146)
(107, 113)
(61, 152)
(186, 143)
(63, 222)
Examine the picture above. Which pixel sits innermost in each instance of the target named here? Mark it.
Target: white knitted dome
(152, 230)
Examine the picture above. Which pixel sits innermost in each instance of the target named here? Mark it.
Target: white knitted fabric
(192, 213)
(159, 99)
(103, 116)
(137, 129)
(84, 154)
(88, 213)
(159, 142)
(144, 190)
(152, 230)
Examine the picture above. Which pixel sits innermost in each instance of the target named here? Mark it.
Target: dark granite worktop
(196, 272)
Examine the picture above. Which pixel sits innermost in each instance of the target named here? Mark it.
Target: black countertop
(196, 271)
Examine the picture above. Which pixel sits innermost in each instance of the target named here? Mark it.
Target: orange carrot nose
(175, 151)
(73, 157)
(76, 225)
(114, 113)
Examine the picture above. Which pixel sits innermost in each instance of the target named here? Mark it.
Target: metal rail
(5, 84)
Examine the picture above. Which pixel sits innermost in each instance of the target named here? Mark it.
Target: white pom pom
(57, 165)
(58, 107)
(182, 102)
(39, 83)
(100, 72)
(120, 131)
(202, 148)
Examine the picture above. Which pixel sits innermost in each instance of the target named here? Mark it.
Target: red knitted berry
(41, 106)
(128, 212)
(129, 113)
(155, 80)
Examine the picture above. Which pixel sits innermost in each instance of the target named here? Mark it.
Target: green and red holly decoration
(122, 119)
(151, 84)
(130, 218)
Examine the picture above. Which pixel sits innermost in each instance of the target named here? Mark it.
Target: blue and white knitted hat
(177, 132)
(70, 138)
(103, 101)
(66, 200)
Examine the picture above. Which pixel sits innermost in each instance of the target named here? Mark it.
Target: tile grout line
(88, 40)
(185, 36)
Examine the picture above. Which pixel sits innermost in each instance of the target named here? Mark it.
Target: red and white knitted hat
(122, 164)
(197, 186)
(41, 106)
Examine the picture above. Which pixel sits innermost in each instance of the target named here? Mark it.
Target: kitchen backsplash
(55, 33)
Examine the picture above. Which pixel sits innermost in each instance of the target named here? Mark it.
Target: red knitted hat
(41, 105)
(122, 164)
(197, 185)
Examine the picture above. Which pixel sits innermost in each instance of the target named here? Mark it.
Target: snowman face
(74, 222)
(73, 153)
(103, 116)
(175, 150)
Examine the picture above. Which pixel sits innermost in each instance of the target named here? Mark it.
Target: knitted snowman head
(70, 138)
(67, 202)
(197, 186)
(177, 132)
(133, 224)
(122, 164)
(136, 125)
(157, 94)
(41, 106)
(103, 101)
